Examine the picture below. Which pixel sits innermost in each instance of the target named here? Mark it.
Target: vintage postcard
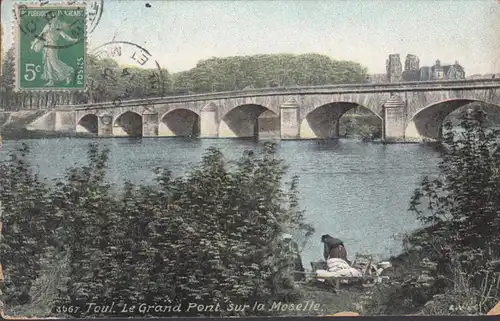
(249, 158)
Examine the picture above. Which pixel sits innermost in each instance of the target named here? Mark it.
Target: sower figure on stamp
(333, 248)
(53, 68)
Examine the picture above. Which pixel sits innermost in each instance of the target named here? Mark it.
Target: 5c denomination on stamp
(50, 42)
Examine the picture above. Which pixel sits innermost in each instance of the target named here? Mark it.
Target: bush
(464, 201)
(461, 208)
(26, 229)
(211, 236)
(451, 265)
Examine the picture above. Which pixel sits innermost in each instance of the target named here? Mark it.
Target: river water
(358, 192)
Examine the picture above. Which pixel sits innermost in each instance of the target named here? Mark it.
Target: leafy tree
(7, 76)
(274, 70)
(86, 227)
(7, 80)
(462, 205)
(26, 230)
(182, 83)
(451, 265)
(110, 81)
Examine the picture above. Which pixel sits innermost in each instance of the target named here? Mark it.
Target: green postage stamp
(51, 46)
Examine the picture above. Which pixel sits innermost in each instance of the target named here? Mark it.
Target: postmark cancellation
(51, 45)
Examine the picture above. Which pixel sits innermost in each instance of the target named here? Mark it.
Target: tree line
(108, 81)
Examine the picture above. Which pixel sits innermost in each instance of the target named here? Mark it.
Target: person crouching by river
(334, 248)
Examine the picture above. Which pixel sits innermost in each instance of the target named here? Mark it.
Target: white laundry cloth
(340, 268)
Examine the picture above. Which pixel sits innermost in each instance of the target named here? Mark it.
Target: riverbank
(22, 133)
(349, 298)
(13, 126)
(408, 279)
(417, 283)
(409, 289)
(387, 298)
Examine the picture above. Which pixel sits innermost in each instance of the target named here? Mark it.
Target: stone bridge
(409, 111)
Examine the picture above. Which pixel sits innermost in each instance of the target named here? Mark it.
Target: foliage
(211, 236)
(85, 211)
(464, 297)
(273, 70)
(26, 229)
(452, 265)
(7, 74)
(7, 79)
(109, 81)
(492, 114)
(357, 122)
(460, 208)
(464, 201)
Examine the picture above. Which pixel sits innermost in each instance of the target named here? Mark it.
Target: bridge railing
(45, 100)
(301, 90)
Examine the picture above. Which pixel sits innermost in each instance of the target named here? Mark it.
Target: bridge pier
(290, 119)
(209, 125)
(150, 124)
(65, 121)
(394, 120)
(105, 126)
(336, 130)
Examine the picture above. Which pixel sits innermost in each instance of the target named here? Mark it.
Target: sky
(180, 33)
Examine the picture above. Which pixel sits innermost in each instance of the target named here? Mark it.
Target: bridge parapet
(309, 90)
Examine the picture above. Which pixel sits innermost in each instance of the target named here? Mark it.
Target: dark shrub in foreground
(25, 216)
(211, 236)
(457, 256)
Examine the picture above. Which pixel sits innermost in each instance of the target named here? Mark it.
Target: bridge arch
(427, 123)
(128, 123)
(88, 124)
(179, 122)
(249, 120)
(324, 120)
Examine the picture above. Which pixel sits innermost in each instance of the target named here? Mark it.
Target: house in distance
(413, 72)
